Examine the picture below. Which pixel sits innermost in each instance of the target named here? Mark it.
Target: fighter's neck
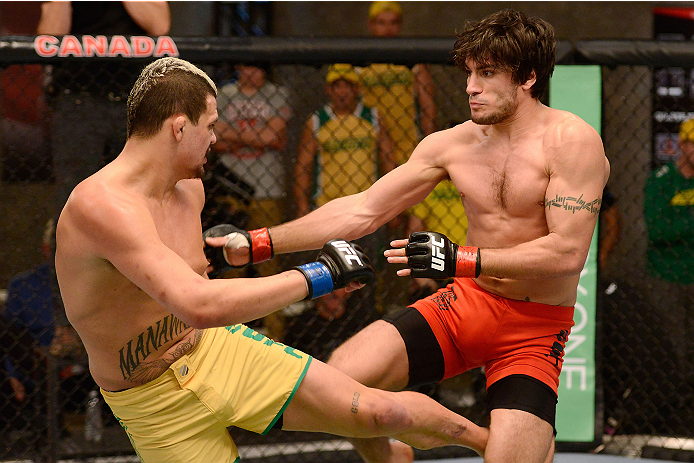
(523, 121)
(147, 169)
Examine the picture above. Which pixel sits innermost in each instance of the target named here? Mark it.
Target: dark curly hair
(510, 40)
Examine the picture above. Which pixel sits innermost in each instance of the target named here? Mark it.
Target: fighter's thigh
(213, 444)
(328, 400)
(376, 356)
(516, 435)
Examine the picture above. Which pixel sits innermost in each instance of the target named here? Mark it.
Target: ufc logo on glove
(347, 249)
(438, 255)
(338, 264)
(432, 255)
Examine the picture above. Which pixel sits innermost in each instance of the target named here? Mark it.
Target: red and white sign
(48, 46)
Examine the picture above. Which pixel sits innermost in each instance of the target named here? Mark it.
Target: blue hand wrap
(320, 281)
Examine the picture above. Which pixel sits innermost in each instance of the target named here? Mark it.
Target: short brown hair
(166, 87)
(510, 40)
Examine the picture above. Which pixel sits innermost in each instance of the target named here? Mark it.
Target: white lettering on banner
(48, 46)
(572, 343)
(576, 365)
(569, 369)
(671, 116)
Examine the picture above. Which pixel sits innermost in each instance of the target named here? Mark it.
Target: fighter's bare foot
(401, 452)
(383, 450)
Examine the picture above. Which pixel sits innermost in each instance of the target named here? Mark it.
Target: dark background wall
(572, 20)
(25, 208)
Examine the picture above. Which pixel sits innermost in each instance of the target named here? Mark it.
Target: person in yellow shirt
(404, 97)
(344, 150)
(442, 211)
(343, 147)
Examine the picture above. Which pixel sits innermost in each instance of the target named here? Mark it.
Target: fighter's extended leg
(329, 401)
(385, 370)
(377, 357)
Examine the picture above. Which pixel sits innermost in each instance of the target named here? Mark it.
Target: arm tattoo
(355, 403)
(572, 204)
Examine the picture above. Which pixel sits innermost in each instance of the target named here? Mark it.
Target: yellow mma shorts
(233, 377)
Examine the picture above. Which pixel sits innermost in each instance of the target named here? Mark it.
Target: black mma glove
(432, 255)
(338, 264)
(258, 242)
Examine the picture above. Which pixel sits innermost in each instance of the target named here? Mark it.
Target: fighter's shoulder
(570, 143)
(440, 145)
(566, 127)
(97, 205)
(465, 132)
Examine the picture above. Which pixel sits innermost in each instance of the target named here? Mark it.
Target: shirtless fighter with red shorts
(531, 180)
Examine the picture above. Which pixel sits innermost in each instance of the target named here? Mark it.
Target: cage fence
(287, 149)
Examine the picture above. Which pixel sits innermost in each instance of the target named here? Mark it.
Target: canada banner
(87, 46)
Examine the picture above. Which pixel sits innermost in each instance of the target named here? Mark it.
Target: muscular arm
(578, 171)
(123, 233)
(153, 17)
(425, 94)
(354, 216)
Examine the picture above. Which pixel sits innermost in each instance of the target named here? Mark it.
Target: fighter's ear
(177, 125)
(530, 81)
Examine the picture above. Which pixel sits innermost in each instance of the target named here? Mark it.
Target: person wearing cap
(404, 97)
(343, 147)
(343, 150)
(401, 95)
(669, 213)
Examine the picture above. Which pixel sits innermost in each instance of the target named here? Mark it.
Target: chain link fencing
(280, 154)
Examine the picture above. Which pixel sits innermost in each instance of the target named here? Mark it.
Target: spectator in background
(18, 349)
(23, 126)
(343, 150)
(34, 306)
(252, 133)
(669, 212)
(89, 98)
(32, 297)
(343, 147)
(638, 355)
(404, 97)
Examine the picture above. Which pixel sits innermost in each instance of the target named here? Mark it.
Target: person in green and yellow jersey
(403, 96)
(343, 148)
